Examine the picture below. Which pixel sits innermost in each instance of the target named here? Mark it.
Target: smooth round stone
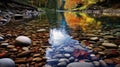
(67, 55)
(109, 44)
(5, 44)
(94, 38)
(7, 62)
(62, 64)
(41, 30)
(63, 60)
(71, 59)
(25, 48)
(58, 56)
(23, 41)
(80, 64)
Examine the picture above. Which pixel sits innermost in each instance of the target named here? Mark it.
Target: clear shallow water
(69, 29)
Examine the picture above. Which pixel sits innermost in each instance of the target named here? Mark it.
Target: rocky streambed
(101, 49)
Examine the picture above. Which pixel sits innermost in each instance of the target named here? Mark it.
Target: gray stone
(7, 62)
(71, 59)
(103, 63)
(67, 55)
(23, 41)
(58, 56)
(62, 64)
(63, 60)
(80, 64)
(96, 63)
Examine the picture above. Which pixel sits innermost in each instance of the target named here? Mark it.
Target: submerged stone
(80, 64)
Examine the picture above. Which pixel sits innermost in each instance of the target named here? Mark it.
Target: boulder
(23, 41)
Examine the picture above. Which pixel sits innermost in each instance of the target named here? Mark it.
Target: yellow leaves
(72, 19)
(71, 4)
(83, 21)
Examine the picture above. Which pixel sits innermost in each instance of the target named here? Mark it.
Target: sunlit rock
(41, 30)
(23, 41)
(4, 44)
(94, 38)
(109, 45)
(7, 62)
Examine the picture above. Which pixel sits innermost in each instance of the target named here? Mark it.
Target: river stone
(58, 56)
(96, 63)
(7, 62)
(67, 55)
(80, 64)
(52, 61)
(10, 46)
(41, 30)
(5, 44)
(63, 60)
(62, 64)
(94, 38)
(1, 38)
(71, 59)
(23, 41)
(109, 45)
(25, 48)
(118, 65)
(103, 63)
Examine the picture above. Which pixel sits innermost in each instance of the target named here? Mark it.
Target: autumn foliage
(82, 21)
(71, 4)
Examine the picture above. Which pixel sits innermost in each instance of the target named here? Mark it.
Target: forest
(58, 4)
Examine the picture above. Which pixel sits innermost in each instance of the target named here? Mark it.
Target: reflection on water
(66, 50)
(82, 20)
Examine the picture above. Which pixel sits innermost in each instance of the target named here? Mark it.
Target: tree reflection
(82, 20)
